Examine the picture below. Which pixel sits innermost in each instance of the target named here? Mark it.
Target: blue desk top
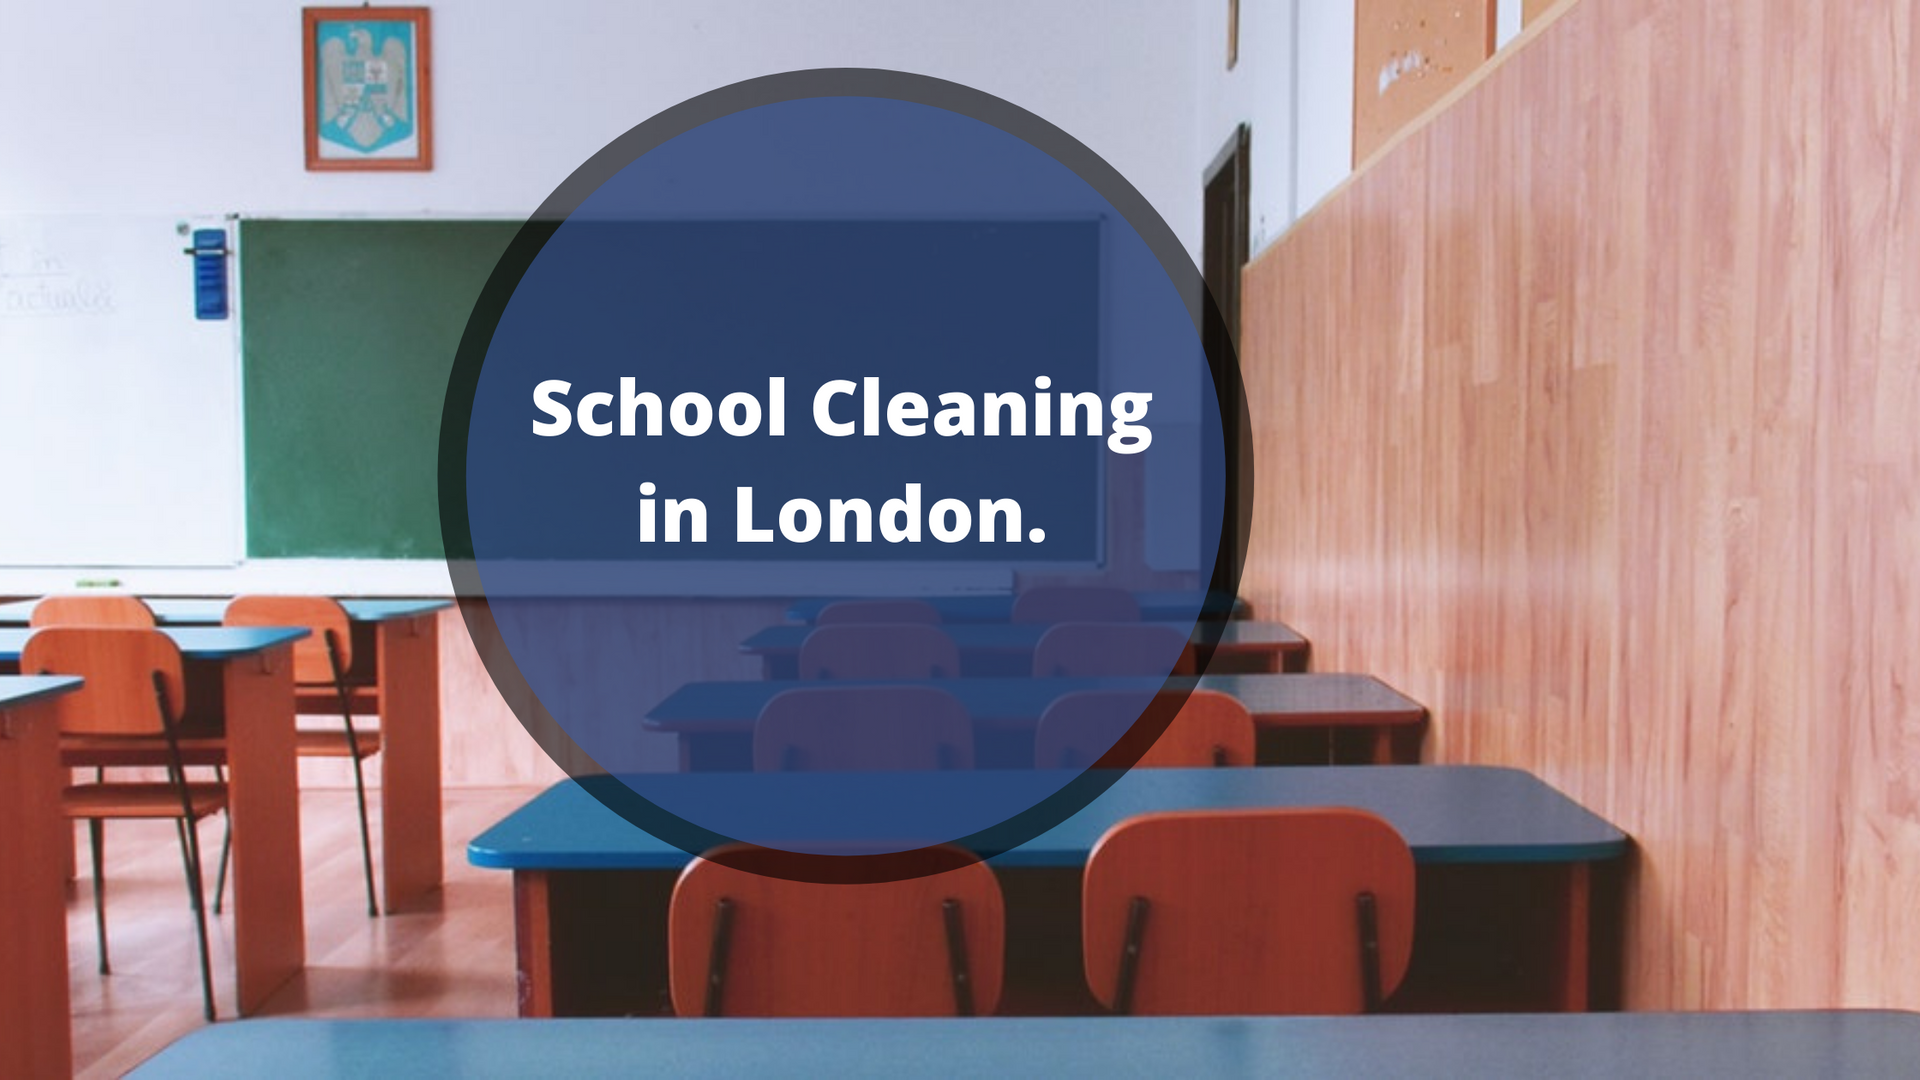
(195, 642)
(706, 707)
(207, 612)
(16, 690)
(1022, 637)
(1154, 606)
(1566, 1046)
(1448, 813)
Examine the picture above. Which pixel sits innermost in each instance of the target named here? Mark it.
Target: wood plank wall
(1590, 416)
(670, 641)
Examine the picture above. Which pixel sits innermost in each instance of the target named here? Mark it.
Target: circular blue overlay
(847, 334)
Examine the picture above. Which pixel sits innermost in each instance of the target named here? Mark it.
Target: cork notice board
(1407, 55)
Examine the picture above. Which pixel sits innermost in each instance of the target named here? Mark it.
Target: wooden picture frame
(1233, 33)
(368, 96)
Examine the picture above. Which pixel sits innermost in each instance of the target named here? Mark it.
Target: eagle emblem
(366, 85)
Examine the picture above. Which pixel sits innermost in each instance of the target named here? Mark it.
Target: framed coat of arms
(368, 88)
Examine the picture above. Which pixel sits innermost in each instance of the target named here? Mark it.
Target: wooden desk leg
(1571, 960)
(269, 924)
(35, 1019)
(533, 941)
(411, 858)
(1383, 745)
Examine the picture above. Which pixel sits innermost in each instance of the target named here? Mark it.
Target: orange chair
(744, 944)
(320, 660)
(134, 693)
(863, 729)
(1211, 728)
(127, 612)
(877, 611)
(1095, 650)
(879, 651)
(1248, 911)
(1075, 603)
(102, 610)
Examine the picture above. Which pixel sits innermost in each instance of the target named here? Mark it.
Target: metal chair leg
(366, 836)
(187, 825)
(220, 877)
(1369, 917)
(97, 835)
(345, 694)
(1130, 946)
(957, 963)
(226, 848)
(717, 955)
(196, 895)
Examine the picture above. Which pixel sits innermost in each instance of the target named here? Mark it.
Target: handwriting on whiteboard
(34, 282)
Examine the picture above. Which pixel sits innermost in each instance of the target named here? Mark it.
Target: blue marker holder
(209, 253)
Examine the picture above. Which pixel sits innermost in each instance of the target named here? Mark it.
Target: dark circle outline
(457, 418)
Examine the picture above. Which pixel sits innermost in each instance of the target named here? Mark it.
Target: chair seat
(87, 751)
(140, 800)
(333, 743)
(325, 701)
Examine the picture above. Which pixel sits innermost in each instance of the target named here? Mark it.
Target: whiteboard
(119, 411)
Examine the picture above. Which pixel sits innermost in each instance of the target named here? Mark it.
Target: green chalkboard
(347, 332)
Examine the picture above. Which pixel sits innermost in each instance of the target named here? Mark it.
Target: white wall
(1326, 99)
(1294, 86)
(1259, 92)
(153, 111)
(194, 107)
(195, 104)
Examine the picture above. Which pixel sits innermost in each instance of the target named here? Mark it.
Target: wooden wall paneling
(483, 743)
(1597, 401)
(671, 641)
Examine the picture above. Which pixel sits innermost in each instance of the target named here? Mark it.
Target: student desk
(240, 686)
(1590, 1046)
(714, 720)
(998, 607)
(590, 889)
(1006, 649)
(34, 1015)
(396, 662)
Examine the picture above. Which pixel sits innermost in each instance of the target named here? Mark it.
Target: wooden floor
(454, 961)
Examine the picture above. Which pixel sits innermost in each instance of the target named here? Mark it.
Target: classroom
(1447, 472)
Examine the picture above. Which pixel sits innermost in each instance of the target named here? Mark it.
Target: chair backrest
(1110, 649)
(879, 651)
(321, 614)
(863, 729)
(1211, 728)
(877, 611)
(119, 665)
(1248, 912)
(102, 610)
(1075, 603)
(744, 944)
